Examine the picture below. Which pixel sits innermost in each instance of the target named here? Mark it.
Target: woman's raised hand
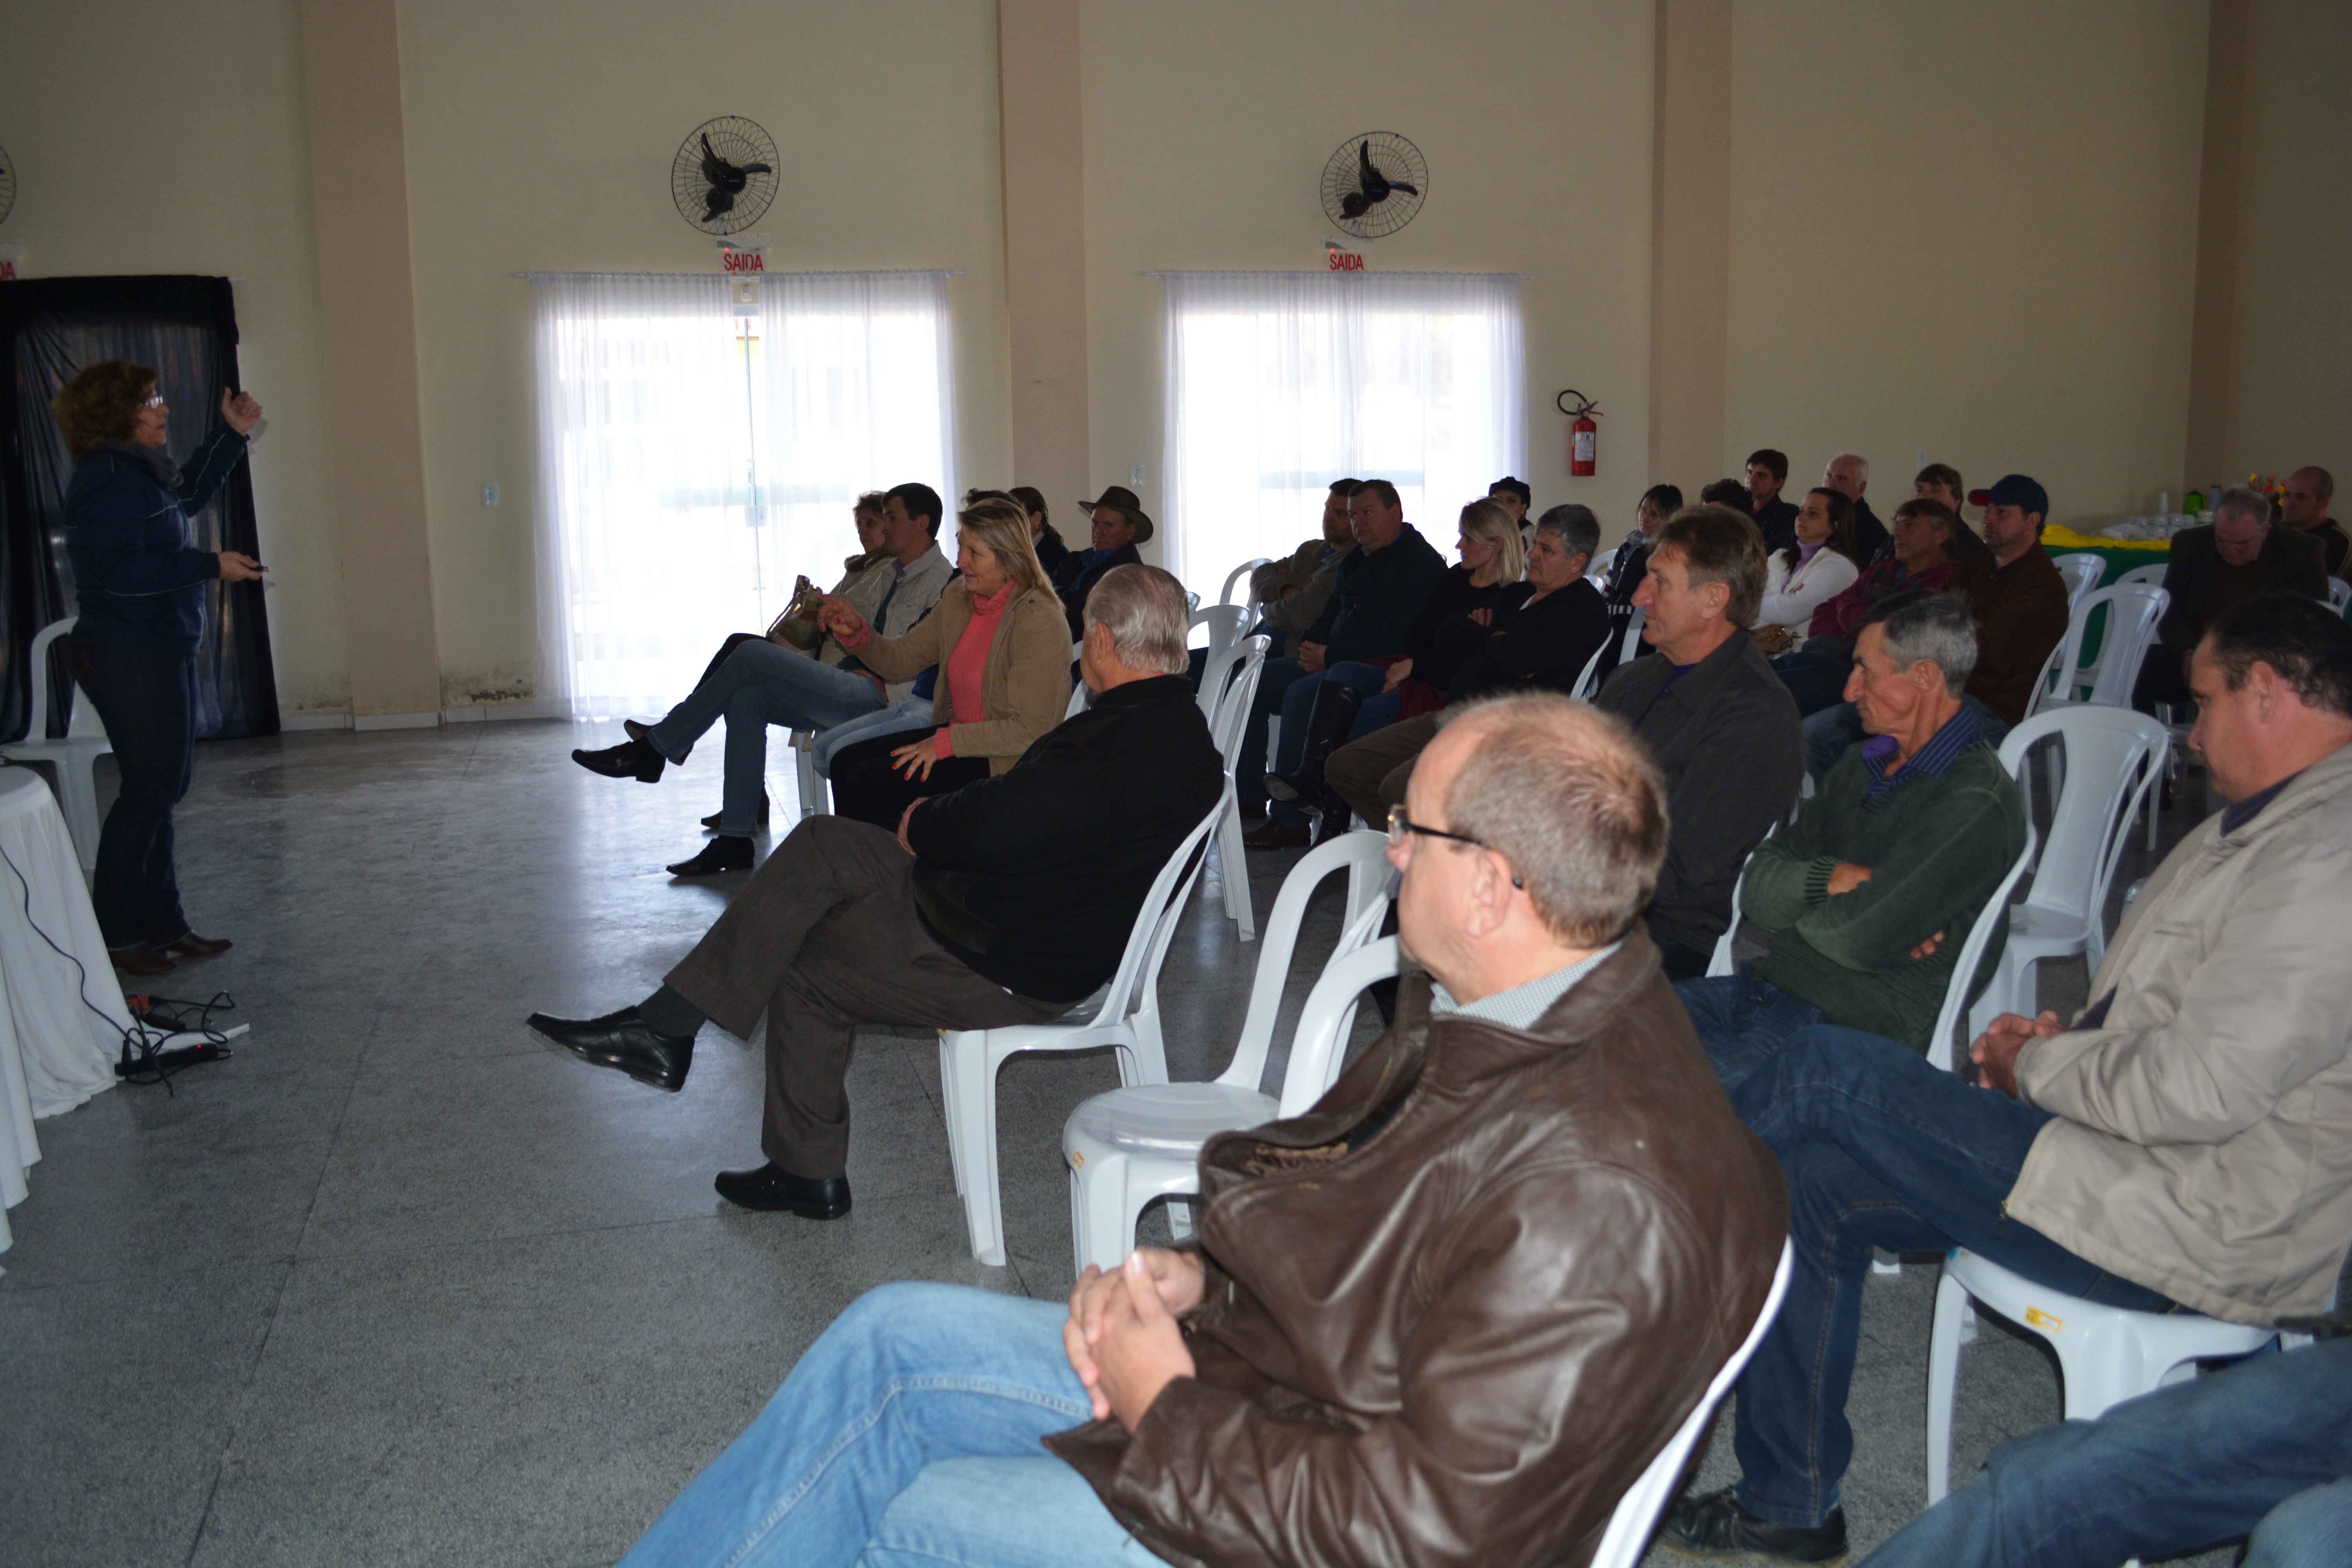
(240, 411)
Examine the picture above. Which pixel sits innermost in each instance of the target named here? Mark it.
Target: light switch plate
(490, 495)
(1135, 474)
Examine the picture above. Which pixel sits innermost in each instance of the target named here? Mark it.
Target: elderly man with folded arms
(1444, 1317)
(1005, 903)
(2187, 1141)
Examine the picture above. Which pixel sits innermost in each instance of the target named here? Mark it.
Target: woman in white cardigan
(1799, 580)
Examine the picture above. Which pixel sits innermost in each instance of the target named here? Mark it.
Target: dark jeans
(146, 697)
(1299, 706)
(1817, 681)
(1878, 1149)
(867, 787)
(826, 937)
(1741, 1021)
(2265, 1443)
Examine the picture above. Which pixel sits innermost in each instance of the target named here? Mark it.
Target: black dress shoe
(622, 1040)
(774, 1189)
(1715, 1528)
(629, 760)
(638, 729)
(1278, 835)
(722, 854)
(713, 820)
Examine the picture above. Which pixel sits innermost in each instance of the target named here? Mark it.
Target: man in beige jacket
(2188, 1141)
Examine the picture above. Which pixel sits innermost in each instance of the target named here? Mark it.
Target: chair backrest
(1631, 648)
(1364, 858)
(2339, 593)
(1597, 568)
(2151, 575)
(1957, 998)
(1241, 575)
(1638, 1509)
(1589, 682)
(1137, 979)
(2134, 609)
(2082, 571)
(1080, 695)
(1227, 707)
(1217, 674)
(1721, 963)
(81, 718)
(1223, 622)
(2112, 758)
(1321, 1041)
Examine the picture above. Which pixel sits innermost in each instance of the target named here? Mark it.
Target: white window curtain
(1280, 383)
(693, 462)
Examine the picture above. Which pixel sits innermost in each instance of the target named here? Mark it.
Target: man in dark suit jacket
(1002, 903)
(1775, 517)
(2242, 553)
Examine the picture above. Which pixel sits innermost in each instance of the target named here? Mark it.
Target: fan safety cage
(1374, 184)
(724, 175)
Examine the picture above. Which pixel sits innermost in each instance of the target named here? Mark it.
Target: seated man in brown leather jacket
(1446, 1316)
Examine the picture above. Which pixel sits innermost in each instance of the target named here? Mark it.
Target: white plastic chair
(1957, 1009)
(814, 800)
(1225, 623)
(2112, 757)
(2106, 1354)
(1588, 682)
(2133, 611)
(2152, 576)
(1636, 1513)
(1241, 575)
(1597, 567)
(2339, 593)
(1226, 726)
(1631, 647)
(1125, 1016)
(75, 755)
(1129, 1146)
(1721, 962)
(2081, 570)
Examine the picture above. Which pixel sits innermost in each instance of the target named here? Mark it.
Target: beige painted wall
(152, 137)
(1207, 126)
(540, 134)
(2290, 393)
(1968, 229)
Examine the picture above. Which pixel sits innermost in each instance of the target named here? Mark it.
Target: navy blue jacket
(135, 574)
(1378, 599)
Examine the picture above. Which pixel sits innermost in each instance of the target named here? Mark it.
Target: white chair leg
(972, 1091)
(1149, 1060)
(1103, 1215)
(948, 1109)
(1180, 1219)
(1885, 1262)
(1943, 1382)
(812, 784)
(1232, 867)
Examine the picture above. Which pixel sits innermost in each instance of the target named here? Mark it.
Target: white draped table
(62, 1026)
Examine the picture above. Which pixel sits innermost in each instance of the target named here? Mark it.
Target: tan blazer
(1024, 687)
(2202, 1144)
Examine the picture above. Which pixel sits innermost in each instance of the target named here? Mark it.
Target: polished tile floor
(397, 1284)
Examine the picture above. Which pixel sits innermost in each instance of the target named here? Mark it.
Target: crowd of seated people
(1373, 1365)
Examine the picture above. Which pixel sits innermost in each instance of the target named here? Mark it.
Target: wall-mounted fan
(7, 185)
(724, 175)
(1374, 184)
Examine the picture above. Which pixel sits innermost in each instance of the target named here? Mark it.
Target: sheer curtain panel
(693, 462)
(1280, 383)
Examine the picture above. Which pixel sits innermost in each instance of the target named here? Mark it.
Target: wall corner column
(1038, 67)
(2220, 199)
(359, 188)
(1690, 241)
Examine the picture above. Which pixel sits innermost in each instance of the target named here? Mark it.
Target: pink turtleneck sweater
(968, 660)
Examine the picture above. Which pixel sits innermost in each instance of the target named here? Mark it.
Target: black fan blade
(758, 169)
(1364, 161)
(1401, 185)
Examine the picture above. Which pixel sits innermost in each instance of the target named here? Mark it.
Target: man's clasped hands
(1121, 1336)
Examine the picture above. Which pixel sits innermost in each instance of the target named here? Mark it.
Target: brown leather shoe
(1278, 835)
(140, 959)
(191, 946)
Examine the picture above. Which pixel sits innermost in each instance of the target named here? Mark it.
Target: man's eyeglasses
(1402, 827)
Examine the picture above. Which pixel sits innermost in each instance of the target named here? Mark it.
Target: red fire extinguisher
(1583, 435)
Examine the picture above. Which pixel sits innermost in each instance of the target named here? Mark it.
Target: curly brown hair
(101, 405)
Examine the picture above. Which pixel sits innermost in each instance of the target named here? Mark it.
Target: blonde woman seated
(1004, 652)
(1803, 578)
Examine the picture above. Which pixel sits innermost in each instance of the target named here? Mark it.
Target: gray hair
(1142, 607)
(1578, 530)
(2249, 504)
(1569, 796)
(1935, 628)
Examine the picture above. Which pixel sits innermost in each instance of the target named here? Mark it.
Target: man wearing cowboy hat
(1120, 524)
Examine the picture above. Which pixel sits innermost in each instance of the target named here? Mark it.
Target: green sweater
(1937, 846)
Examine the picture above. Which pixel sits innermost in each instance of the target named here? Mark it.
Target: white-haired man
(1003, 902)
(1849, 474)
(1444, 1317)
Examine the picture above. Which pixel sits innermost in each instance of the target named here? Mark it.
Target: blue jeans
(1298, 704)
(1817, 681)
(1742, 1021)
(909, 1433)
(914, 713)
(759, 684)
(1831, 733)
(1878, 1149)
(146, 697)
(2265, 1443)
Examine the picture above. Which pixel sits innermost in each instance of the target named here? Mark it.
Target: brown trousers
(1371, 775)
(825, 937)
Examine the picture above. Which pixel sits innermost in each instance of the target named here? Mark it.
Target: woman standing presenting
(140, 587)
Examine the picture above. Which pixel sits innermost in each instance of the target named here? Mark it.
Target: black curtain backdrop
(50, 328)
